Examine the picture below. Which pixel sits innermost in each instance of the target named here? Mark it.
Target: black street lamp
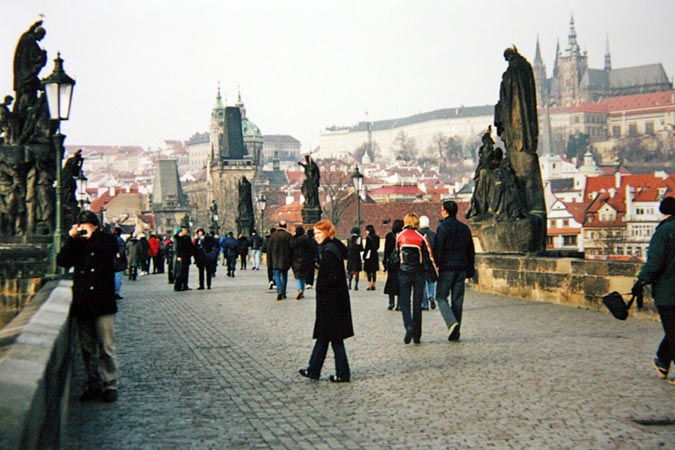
(59, 91)
(262, 203)
(357, 179)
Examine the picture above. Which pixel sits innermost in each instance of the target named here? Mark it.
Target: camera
(82, 232)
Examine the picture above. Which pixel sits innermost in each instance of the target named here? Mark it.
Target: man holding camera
(92, 254)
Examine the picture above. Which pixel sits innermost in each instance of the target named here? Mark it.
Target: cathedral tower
(571, 67)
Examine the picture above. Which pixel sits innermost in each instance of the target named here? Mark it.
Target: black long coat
(354, 264)
(303, 256)
(333, 310)
(392, 285)
(371, 259)
(93, 260)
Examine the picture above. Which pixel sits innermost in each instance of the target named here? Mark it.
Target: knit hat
(178, 230)
(667, 206)
(424, 222)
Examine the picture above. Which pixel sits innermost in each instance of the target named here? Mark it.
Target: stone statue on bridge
(508, 210)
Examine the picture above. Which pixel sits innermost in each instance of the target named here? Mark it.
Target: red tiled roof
(577, 209)
(397, 190)
(606, 182)
(640, 102)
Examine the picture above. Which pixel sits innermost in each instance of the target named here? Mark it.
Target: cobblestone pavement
(218, 369)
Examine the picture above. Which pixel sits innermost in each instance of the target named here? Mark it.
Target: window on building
(566, 222)
(616, 132)
(569, 240)
(649, 128)
(632, 129)
(549, 241)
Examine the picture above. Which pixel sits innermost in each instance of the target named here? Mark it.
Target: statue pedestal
(311, 214)
(520, 236)
(244, 225)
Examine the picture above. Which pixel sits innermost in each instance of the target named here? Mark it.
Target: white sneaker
(309, 286)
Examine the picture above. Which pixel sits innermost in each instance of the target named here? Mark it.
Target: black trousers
(666, 350)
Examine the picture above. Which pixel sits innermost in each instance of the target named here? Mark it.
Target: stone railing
(22, 272)
(569, 281)
(36, 351)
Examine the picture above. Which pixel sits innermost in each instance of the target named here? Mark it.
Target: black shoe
(408, 336)
(208, 287)
(336, 379)
(661, 369)
(454, 336)
(416, 341)
(425, 308)
(118, 297)
(280, 296)
(398, 308)
(305, 373)
(187, 289)
(200, 288)
(390, 307)
(109, 396)
(91, 394)
(432, 303)
(177, 289)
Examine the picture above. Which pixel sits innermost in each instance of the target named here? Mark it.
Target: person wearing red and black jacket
(455, 255)
(416, 260)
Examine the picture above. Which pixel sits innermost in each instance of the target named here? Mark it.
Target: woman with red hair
(333, 322)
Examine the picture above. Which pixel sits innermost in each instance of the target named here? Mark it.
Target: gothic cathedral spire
(608, 57)
(572, 44)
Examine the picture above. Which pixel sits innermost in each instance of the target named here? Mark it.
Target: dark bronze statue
(516, 111)
(508, 210)
(245, 199)
(310, 186)
(29, 59)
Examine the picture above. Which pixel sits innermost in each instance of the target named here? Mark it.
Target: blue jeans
(411, 283)
(451, 283)
(319, 356)
(429, 292)
(255, 258)
(300, 284)
(119, 276)
(280, 279)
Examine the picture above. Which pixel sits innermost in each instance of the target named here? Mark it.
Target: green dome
(250, 129)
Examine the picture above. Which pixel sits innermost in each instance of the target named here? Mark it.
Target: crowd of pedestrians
(424, 269)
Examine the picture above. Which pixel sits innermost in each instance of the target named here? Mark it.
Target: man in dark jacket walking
(455, 255)
(279, 254)
(659, 271)
(184, 251)
(92, 254)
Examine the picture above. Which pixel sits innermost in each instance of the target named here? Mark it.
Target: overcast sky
(148, 70)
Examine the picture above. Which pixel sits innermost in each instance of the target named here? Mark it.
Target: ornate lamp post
(262, 203)
(357, 179)
(59, 90)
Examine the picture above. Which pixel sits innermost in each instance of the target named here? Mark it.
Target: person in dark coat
(256, 249)
(659, 271)
(134, 258)
(354, 264)
(184, 251)
(302, 260)
(145, 257)
(279, 253)
(314, 257)
(268, 259)
(371, 259)
(242, 249)
(391, 286)
(333, 323)
(231, 250)
(92, 254)
(203, 247)
(170, 259)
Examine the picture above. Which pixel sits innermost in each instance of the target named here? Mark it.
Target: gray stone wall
(36, 351)
(569, 281)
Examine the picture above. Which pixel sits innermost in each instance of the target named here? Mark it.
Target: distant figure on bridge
(659, 271)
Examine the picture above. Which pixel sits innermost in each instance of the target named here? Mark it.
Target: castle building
(573, 81)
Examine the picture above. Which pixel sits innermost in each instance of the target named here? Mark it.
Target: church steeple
(240, 104)
(572, 44)
(557, 56)
(219, 100)
(539, 70)
(608, 57)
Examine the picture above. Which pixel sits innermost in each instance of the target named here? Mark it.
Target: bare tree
(405, 147)
(336, 187)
